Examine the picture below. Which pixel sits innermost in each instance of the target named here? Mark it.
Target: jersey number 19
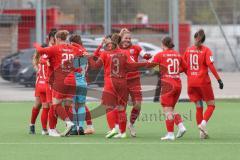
(194, 62)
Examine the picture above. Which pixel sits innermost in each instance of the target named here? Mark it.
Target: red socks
(44, 117)
(199, 115)
(177, 119)
(35, 112)
(122, 120)
(134, 115)
(67, 109)
(88, 117)
(111, 118)
(60, 111)
(170, 125)
(52, 118)
(208, 113)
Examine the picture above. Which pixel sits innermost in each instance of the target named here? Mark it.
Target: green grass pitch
(224, 142)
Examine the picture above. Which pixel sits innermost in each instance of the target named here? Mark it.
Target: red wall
(27, 24)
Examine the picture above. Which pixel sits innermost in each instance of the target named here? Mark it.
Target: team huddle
(62, 79)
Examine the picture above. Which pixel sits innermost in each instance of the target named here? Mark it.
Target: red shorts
(115, 93)
(134, 89)
(48, 93)
(169, 94)
(201, 93)
(63, 88)
(40, 91)
(58, 95)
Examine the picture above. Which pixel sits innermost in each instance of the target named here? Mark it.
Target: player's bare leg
(134, 115)
(168, 111)
(35, 111)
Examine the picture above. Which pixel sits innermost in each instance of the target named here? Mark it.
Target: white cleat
(120, 135)
(203, 136)
(44, 132)
(181, 132)
(112, 133)
(203, 130)
(169, 136)
(132, 130)
(53, 133)
(69, 126)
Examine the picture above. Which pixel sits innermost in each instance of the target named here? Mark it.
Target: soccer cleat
(181, 132)
(203, 129)
(73, 132)
(203, 136)
(89, 130)
(53, 133)
(32, 129)
(132, 130)
(168, 137)
(124, 135)
(120, 135)
(69, 126)
(81, 131)
(112, 133)
(44, 132)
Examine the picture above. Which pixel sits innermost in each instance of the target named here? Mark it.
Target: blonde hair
(36, 59)
(62, 34)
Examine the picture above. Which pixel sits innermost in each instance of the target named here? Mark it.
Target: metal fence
(148, 21)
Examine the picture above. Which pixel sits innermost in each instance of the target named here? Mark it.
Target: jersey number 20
(173, 66)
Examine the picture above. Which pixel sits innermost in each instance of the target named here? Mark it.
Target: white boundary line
(112, 143)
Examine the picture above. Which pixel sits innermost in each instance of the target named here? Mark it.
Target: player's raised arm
(95, 64)
(97, 52)
(48, 50)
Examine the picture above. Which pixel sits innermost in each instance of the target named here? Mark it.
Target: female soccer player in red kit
(61, 56)
(115, 62)
(41, 64)
(44, 71)
(199, 59)
(133, 78)
(170, 65)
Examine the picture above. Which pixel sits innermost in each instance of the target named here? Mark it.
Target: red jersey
(61, 58)
(133, 54)
(170, 65)
(116, 63)
(42, 71)
(198, 60)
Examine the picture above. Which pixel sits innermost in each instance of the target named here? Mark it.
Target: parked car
(27, 76)
(12, 64)
(18, 68)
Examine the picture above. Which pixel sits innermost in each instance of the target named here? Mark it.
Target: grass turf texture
(224, 130)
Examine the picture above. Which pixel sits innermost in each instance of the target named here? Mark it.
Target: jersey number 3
(115, 68)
